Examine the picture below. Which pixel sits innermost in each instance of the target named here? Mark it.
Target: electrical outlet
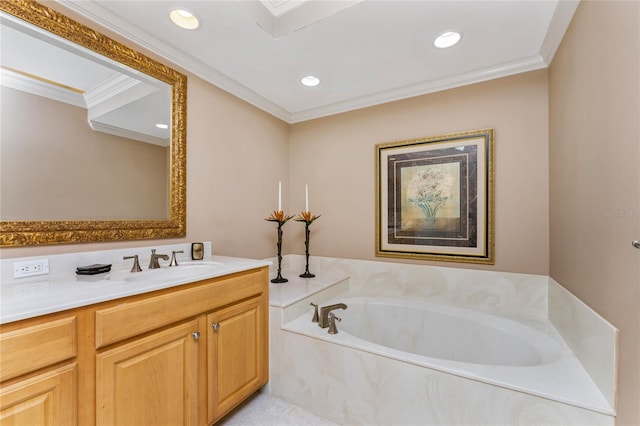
(30, 268)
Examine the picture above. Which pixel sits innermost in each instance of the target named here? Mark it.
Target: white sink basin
(184, 270)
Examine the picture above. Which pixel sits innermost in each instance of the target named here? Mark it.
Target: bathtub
(444, 332)
(408, 361)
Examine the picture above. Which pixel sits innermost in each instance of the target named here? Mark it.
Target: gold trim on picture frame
(26, 233)
(409, 226)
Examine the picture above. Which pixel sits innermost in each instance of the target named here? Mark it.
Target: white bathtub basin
(447, 333)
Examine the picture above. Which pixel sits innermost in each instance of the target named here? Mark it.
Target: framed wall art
(435, 198)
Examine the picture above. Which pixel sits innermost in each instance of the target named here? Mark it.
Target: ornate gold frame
(488, 225)
(23, 233)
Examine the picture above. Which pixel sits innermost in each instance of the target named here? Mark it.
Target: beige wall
(236, 155)
(335, 156)
(594, 93)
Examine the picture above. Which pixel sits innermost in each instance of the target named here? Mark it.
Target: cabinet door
(237, 360)
(150, 381)
(47, 399)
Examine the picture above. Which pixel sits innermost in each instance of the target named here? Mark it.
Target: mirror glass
(93, 135)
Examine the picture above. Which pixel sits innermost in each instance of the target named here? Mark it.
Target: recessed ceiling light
(162, 126)
(447, 39)
(184, 19)
(310, 81)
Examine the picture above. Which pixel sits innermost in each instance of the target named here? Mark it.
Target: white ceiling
(365, 52)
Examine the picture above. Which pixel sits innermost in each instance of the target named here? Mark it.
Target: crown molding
(558, 26)
(423, 88)
(115, 85)
(42, 88)
(129, 134)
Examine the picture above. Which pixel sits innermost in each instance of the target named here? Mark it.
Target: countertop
(40, 295)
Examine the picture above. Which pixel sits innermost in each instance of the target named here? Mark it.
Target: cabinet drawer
(30, 348)
(140, 316)
(49, 398)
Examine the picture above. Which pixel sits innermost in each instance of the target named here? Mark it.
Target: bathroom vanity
(187, 353)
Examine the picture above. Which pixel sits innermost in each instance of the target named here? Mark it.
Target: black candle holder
(281, 219)
(308, 219)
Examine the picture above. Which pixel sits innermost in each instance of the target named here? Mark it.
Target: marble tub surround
(355, 387)
(519, 296)
(593, 339)
(353, 382)
(297, 294)
(62, 289)
(556, 376)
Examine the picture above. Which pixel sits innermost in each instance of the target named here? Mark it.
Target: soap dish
(97, 268)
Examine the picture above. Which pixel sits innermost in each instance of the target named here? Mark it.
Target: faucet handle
(136, 265)
(315, 312)
(332, 323)
(174, 260)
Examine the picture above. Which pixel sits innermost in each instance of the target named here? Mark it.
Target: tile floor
(266, 410)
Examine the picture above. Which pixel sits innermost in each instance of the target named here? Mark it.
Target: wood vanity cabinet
(38, 372)
(181, 356)
(237, 350)
(150, 381)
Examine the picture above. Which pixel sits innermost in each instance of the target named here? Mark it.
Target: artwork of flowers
(435, 198)
(432, 189)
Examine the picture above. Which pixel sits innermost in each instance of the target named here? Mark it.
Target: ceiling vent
(282, 17)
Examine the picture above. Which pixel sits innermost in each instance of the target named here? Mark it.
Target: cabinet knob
(196, 335)
(216, 326)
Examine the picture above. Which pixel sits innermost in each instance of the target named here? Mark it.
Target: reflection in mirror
(93, 136)
(63, 105)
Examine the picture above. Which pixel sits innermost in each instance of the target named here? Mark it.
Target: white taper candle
(279, 196)
(306, 198)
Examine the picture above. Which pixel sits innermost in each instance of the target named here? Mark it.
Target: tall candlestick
(306, 198)
(279, 196)
(308, 219)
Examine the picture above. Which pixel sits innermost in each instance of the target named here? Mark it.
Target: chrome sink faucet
(153, 262)
(324, 314)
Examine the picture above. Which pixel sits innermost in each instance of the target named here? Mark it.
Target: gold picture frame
(435, 198)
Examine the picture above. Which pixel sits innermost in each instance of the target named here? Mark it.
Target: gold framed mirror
(21, 229)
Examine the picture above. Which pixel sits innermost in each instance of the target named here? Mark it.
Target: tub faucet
(332, 323)
(315, 312)
(153, 262)
(324, 314)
